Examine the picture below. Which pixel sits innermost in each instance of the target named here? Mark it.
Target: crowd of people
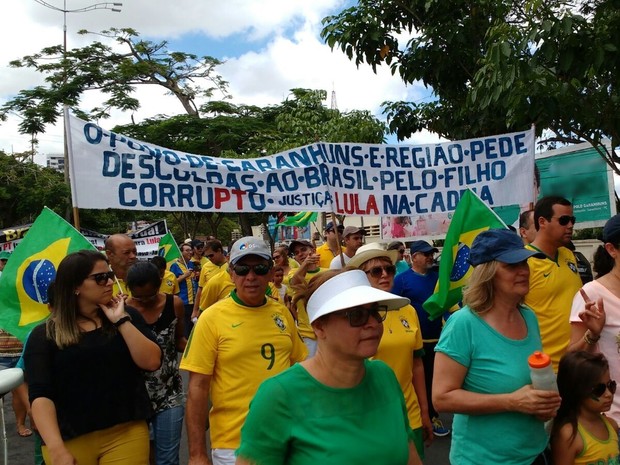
(302, 354)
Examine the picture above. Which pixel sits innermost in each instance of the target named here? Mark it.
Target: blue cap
(329, 226)
(611, 230)
(501, 245)
(422, 247)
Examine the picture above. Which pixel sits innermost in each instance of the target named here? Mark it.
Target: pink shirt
(607, 345)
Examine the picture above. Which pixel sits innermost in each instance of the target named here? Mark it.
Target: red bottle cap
(539, 360)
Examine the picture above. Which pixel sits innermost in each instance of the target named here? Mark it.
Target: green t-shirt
(294, 419)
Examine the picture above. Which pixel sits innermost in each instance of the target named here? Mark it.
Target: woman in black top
(85, 367)
(164, 315)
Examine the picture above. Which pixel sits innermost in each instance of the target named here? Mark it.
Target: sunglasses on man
(259, 270)
(565, 219)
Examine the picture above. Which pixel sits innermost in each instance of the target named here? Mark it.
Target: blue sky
(268, 47)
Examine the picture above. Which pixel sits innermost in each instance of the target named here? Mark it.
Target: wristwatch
(124, 319)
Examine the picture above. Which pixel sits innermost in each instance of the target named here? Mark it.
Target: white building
(56, 162)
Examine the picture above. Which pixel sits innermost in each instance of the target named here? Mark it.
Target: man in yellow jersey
(218, 287)
(236, 344)
(554, 280)
(305, 254)
(122, 253)
(215, 263)
(331, 247)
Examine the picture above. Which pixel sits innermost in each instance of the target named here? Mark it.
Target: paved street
(21, 450)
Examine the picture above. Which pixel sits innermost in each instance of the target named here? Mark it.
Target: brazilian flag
(471, 217)
(300, 219)
(168, 248)
(30, 270)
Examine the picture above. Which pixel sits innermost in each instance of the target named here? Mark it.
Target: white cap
(370, 251)
(346, 290)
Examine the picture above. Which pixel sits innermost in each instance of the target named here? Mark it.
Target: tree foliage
(25, 188)
(494, 66)
(115, 74)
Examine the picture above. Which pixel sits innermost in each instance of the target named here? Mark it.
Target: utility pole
(112, 6)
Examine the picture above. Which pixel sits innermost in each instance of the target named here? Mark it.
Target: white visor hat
(346, 290)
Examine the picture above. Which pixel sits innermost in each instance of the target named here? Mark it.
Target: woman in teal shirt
(481, 369)
(336, 407)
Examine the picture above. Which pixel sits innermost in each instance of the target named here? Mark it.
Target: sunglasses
(259, 270)
(377, 271)
(102, 278)
(565, 219)
(359, 316)
(401, 250)
(599, 389)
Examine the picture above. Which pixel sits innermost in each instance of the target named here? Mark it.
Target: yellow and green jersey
(400, 343)
(240, 347)
(553, 284)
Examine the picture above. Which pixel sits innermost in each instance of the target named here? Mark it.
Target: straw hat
(370, 251)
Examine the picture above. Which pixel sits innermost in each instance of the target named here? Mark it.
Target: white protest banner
(109, 170)
(147, 239)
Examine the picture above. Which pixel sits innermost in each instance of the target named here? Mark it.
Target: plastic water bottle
(541, 372)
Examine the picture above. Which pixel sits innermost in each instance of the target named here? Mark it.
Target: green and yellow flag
(30, 270)
(168, 248)
(300, 219)
(471, 217)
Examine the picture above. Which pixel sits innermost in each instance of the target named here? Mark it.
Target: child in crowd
(278, 277)
(582, 434)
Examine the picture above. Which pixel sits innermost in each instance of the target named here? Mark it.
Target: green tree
(25, 188)
(494, 66)
(98, 66)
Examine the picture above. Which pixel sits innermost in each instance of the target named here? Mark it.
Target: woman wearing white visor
(336, 407)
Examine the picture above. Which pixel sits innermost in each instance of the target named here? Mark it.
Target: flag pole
(69, 166)
(338, 237)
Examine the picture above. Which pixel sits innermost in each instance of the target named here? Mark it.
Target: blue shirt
(187, 286)
(417, 288)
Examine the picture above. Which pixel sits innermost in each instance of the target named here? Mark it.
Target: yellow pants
(124, 444)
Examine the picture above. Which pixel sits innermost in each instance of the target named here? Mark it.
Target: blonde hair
(478, 293)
